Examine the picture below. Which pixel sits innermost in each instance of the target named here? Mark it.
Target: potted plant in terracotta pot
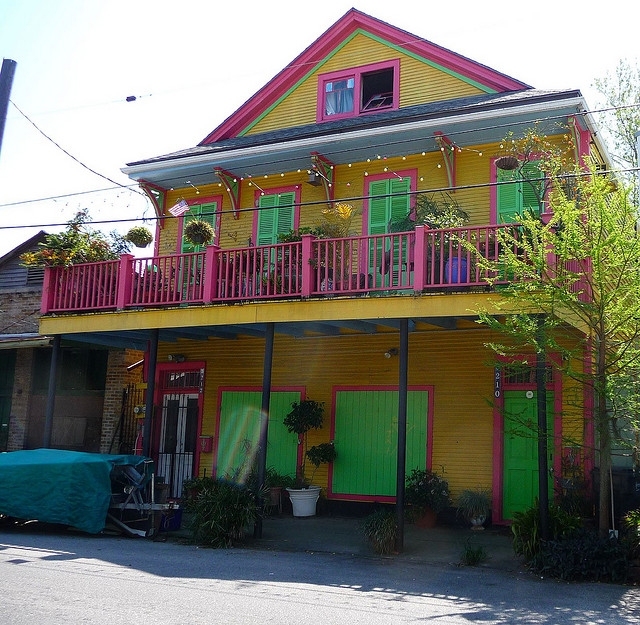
(305, 415)
(139, 236)
(426, 494)
(199, 232)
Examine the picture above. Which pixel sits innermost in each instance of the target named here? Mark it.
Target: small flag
(179, 209)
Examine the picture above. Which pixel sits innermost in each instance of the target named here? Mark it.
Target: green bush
(526, 528)
(381, 529)
(221, 510)
(472, 555)
(584, 556)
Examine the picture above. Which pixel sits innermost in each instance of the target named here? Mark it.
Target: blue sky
(191, 64)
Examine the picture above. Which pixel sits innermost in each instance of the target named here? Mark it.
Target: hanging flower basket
(139, 236)
(507, 163)
(199, 232)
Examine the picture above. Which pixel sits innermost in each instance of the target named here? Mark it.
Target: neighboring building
(369, 116)
(89, 394)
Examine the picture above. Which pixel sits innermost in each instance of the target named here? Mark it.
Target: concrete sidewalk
(441, 545)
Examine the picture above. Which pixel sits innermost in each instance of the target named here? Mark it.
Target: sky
(192, 64)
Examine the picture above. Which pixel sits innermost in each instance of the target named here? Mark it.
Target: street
(56, 577)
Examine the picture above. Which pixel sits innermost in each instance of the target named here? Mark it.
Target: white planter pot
(304, 500)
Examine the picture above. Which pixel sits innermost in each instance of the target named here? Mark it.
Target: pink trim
(348, 24)
(356, 73)
(332, 430)
(275, 191)
(412, 174)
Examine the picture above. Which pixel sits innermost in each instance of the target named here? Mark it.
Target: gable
(358, 39)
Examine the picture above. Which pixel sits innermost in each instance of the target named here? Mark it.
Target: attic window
(358, 91)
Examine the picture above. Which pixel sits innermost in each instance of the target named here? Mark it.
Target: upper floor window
(359, 90)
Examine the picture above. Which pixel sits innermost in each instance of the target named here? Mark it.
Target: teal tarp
(58, 486)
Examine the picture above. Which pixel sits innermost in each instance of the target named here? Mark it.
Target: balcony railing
(405, 262)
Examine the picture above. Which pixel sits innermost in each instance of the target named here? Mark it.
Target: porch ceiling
(138, 339)
(484, 122)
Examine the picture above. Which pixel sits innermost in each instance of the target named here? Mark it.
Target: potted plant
(426, 494)
(305, 415)
(199, 232)
(474, 506)
(381, 529)
(139, 236)
(439, 212)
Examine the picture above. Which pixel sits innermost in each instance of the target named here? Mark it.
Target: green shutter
(532, 188)
(276, 216)
(378, 207)
(509, 203)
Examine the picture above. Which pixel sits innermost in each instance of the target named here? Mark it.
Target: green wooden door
(520, 468)
(366, 438)
(7, 369)
(240, 433)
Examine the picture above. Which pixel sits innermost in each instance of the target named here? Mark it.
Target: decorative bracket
(157, 195)
(448, 150)
(324, 169)
(232, 184)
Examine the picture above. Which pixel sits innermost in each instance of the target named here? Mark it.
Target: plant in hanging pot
(474, 506)
(305, 415)
(139, 236)
(199, 232)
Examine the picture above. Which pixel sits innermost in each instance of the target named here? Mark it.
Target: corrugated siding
(419, 84)
(454, 363)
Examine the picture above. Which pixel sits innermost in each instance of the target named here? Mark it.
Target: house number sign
(497, 382)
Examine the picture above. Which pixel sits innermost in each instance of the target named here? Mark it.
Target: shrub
(221, 510)
(526, 528)
(426, 490)
(472, 555)
(584, 556)
(381, 529)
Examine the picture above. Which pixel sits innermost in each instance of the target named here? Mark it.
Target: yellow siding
(455, 364)
(419, 84)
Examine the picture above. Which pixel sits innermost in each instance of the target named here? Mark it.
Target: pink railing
(416, 261)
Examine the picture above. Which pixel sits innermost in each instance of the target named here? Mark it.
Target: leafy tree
(621, 92)
(578, 268)
(79, 243)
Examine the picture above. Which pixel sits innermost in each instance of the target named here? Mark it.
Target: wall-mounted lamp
(391, 352)
(177, 357)
(315, 179)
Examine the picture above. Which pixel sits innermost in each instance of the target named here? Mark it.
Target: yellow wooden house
(319, 282)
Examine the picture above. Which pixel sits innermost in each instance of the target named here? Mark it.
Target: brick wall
(20, 310)
(20, 400)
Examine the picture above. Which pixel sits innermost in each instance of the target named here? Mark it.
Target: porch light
(177, 357)
(391, 352)
(315, 179)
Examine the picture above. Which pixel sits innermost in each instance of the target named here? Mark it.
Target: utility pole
(6, 80)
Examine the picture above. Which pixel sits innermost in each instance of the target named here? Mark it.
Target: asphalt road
(53, 578)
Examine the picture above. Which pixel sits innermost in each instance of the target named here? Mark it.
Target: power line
(374, 147)
(46, 136)
(469, 187)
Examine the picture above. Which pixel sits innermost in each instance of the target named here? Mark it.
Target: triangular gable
(344, 29)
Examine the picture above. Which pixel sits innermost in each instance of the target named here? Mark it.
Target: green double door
(520, 460)
(366, 439)
(239, 434)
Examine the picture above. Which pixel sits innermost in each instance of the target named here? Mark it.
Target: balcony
(405, 263)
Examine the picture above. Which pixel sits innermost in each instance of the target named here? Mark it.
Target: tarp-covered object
(58, 486)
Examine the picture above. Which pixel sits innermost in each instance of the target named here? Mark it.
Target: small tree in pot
(306, 415)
